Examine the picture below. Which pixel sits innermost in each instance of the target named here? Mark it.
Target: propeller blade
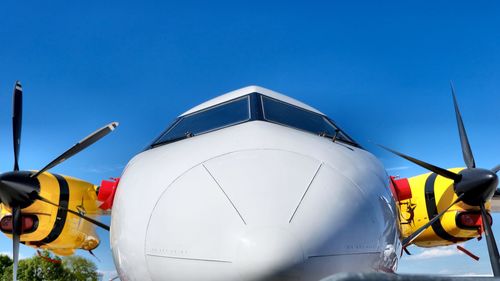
(91, 220)
(408, 240)
(17, 120)
(16, 233)
(490, 240)
(464, 141)
(86, 142)
(440, 171)
(496, 169)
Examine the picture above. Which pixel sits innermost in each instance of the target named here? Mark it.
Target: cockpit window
(217, 117)
(252, 107)
(286, 114)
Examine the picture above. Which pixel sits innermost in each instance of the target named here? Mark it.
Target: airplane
(255, 185)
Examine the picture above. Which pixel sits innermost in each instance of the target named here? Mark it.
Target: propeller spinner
(19, 189)
(473, 186)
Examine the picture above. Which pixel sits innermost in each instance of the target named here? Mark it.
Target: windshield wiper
(336, 137)
(185, 136)
(326, 135)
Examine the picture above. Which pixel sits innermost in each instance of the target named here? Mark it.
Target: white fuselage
(255, 201)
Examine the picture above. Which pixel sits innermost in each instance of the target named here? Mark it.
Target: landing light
(30, 223)
(470, 220)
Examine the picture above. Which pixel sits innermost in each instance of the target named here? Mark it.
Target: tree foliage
(5, 262)
(80, 269)
(50, 267)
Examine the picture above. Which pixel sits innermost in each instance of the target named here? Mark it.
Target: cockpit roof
(248, 90)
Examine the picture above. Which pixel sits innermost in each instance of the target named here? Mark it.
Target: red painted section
(107, 193)
(401, 188)
(473, 219)
(467, 252)
(48, 258)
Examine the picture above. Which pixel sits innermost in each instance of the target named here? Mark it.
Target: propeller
(490, 241)
(496, 169)
(464, 140)
(81, 145)
(473, 186)
(19, 189)
(17, 119)
(16, 237)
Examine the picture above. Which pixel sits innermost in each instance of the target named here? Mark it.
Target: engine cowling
(47, 227)
(422, 197)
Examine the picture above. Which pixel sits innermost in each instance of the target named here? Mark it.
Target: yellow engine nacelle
(48, 227)
(424, 197)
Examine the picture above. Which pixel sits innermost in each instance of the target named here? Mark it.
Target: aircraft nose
(261, 252)
(254, 215)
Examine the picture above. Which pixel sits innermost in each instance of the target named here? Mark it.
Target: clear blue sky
(380, 69)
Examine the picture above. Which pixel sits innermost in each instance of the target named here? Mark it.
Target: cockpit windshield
(286, 114)
(253, 107)
(223, 115)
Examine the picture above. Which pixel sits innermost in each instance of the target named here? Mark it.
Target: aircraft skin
(253, 201)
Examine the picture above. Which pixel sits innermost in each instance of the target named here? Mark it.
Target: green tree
(47, 267)
(5, 262)
(50, 267)
(80, 269)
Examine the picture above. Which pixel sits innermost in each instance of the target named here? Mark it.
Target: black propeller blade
(490, 241)
(464, 141)
(496, 169)
(17, 119)
(81, 145)
(440, 171)
(16, 238)
(408, 240)
(91, 220)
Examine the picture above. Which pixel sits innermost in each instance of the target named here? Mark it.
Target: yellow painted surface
(414, 214)
(77, 233)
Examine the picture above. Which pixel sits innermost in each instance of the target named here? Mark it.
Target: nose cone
(477, 185)
(262, 251)
(262, 214)
(229, 218)
(18, 188)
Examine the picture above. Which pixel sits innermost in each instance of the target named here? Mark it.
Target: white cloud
(100, 169)
(109, 274)
(473, 274)
(398, 168)
(6, 254)
(10, 255)
(434, 253)
(453, 272)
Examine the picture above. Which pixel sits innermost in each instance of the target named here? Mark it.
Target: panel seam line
(225, 194)
(305, 192)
